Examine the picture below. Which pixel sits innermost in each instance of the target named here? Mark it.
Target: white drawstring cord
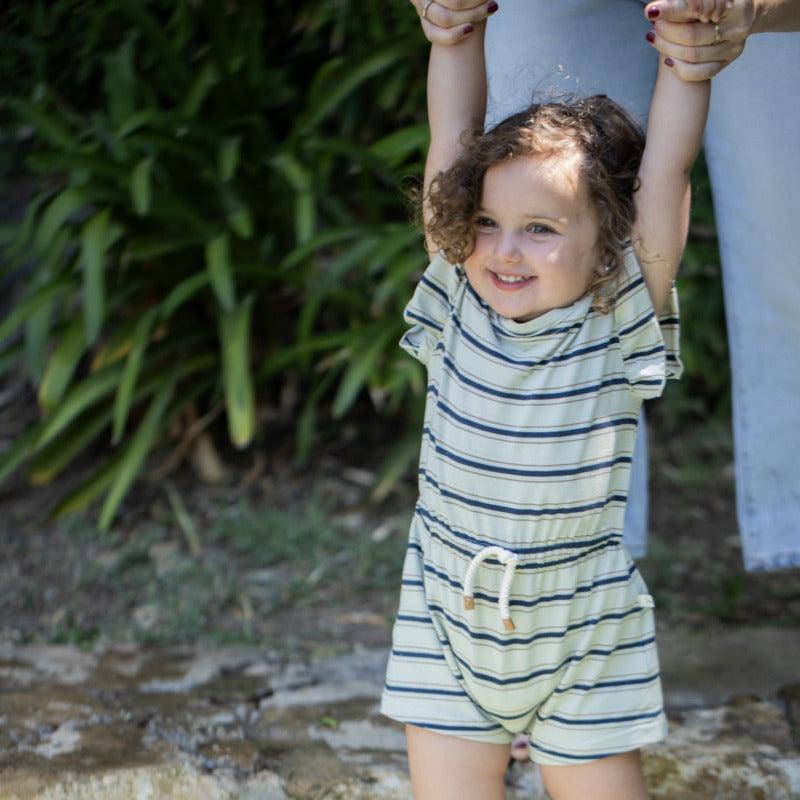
(510, 560)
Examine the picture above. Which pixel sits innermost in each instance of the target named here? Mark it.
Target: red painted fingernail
(467, 29)
(492, 7)
(653, 12)
(650, 36)
(669, 62)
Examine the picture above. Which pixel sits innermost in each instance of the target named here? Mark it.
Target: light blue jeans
(540, 48)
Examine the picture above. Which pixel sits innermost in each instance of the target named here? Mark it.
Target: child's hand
(690, 10)
(449, 21)
(699, 49)
(709, 10)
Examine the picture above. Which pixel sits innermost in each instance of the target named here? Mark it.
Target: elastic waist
(552, 553)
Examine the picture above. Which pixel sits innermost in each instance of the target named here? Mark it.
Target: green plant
(219, 206)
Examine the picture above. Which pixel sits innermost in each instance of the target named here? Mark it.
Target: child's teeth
(510, 278)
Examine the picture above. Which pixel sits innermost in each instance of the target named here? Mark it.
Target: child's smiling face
(535, 237)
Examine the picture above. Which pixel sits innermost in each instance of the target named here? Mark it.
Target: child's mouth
(511, 281)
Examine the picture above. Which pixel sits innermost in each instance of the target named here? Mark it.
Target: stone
(242, 723)
(179, 782)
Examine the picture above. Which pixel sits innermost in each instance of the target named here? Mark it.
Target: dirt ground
(64, 581)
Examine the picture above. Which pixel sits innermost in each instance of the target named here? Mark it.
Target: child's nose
(507, 247)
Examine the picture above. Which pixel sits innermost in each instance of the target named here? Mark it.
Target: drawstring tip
(469, 603)
(509, 624)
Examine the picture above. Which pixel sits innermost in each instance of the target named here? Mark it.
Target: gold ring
(425, 9)
(717, 37)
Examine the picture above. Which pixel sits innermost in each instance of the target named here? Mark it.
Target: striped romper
(520, 609)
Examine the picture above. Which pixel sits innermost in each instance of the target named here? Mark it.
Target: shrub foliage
(218, 206)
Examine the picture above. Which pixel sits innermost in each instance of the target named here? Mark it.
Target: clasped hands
(697, 37)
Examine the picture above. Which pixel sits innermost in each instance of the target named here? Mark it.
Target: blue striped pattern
(527, 444)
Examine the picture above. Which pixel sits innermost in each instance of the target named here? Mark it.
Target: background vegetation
(213, 224)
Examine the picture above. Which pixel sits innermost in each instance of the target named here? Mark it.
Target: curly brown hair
(611, 144)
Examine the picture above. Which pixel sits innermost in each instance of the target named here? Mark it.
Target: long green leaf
(130, 375)
(396, 466)
(141, 185)
(90, 162)
(94, 241)
(135, 453)
(237, 381)
(120, 83)
(45, 124)
(289, 356)
(25, 229)
(305, 428)
(61, 366)
(79, 399)
(21, 449)
(63, 205)
(139, 119)
(240, 220)
(334, 273)
(228, 155)
(37, 339)
(220, 270)
(30, 304)
(206, 79)
(90, 489)
(321, 240)
(39, 323)
(102, 478)
(181, 293)
(299, 179)
(398, 146)
(363, 362)
(51, 461)
(329, 89)
(142, 248)
(150, 28)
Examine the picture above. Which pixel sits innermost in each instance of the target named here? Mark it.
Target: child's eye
(538, 227)
(485, 222)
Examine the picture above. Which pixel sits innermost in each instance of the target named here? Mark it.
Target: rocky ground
(186, 722)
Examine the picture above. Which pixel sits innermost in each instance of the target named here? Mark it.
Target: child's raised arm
(677, 119)
(456, 100)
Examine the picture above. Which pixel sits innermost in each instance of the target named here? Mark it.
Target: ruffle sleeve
(428, 309)
(649, 343)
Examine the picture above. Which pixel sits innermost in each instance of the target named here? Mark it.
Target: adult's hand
(447, 21)
(699, 49)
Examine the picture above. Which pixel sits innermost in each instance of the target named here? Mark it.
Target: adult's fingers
(728, 40)
(694, 49)
(672, 10)
(452, 5)
(736, 20)
(709, 10)
(697, 72)
(454, 13)
(446, 36)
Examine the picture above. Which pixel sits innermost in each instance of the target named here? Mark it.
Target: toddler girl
(546, 317)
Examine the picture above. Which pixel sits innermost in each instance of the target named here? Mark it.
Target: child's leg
(449, 768)
(613, 778)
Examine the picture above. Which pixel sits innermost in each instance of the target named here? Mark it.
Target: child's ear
(603, 270)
